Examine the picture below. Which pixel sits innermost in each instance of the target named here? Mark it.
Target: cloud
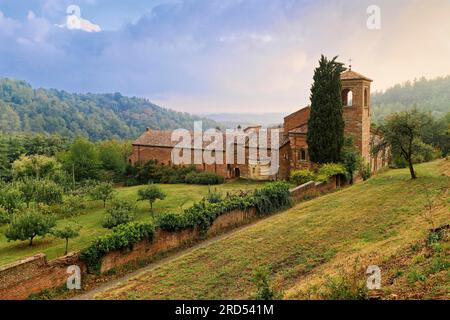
(216, 55)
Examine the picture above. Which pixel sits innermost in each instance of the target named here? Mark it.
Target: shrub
(5, 217)
(72, 205)
(172, 222)
(299, 177)
(365, 171)
(119, 213)
(48, 192)
(264, 291)
(330, 170)
(272, 198)
(213, 196)
(151, 193)
(204, 178)
(28, 225)
(123, 237)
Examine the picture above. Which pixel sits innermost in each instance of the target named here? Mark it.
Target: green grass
(91, 219)
(371, 220)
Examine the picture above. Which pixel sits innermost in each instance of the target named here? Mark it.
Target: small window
(347, 98)
(302, 155)
(366, 97)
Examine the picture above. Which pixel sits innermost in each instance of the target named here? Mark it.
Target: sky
(219, 55)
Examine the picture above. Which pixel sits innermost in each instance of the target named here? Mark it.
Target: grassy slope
(372, 220)
(91, 220)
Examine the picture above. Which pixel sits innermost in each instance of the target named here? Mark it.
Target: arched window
(347, 98)
(366, 97)
(302, 155)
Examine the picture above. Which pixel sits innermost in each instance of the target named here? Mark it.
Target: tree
(82, 160)
(10, 198)
(402, 132)
(119, 213)
(103, 191)
(114, 156)
(48, 192)
(28, 225)
(35, 166)
(69, 231)
(151, 193)
(326, 123)
(27, 188)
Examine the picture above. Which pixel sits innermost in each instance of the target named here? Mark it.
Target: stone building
(293, 147)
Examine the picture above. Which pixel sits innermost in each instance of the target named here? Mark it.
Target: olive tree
(28, 225)
(151, 193)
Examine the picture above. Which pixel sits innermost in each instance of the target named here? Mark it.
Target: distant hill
(246, 119)
(97, 116)
(427, 95)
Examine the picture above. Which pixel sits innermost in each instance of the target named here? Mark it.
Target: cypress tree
(326, 123)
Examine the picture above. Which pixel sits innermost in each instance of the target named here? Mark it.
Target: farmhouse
(292, 145)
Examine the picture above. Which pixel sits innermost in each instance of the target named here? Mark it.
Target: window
(366, 97)
(347, 98)
(302, 155)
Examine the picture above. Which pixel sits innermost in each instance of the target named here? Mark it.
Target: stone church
(293, 148)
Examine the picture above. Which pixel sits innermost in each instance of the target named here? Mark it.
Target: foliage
(82, 160)
(330, 170)
(152, 172)
(10, 198)
(273, 197)
(27, 188)
(96, 116)
(36, 166)
(403, 133)
(103, 191)
(299, 177)
(364, 171)
(151, 193)
(265, 292)
(5, 216)
(326, 123)
(68, 231)
(123, 237)
(119, 213)
(48, 192)
(113, 156)
(351, 158)
(204, 178)
(28, 225)
(213, 196)
(72, 205)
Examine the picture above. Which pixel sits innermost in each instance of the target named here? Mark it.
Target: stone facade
(293, 147)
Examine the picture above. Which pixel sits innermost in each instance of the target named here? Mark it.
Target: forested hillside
(96, 116)
(426, 95)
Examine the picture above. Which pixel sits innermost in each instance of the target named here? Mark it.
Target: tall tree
(326, 123)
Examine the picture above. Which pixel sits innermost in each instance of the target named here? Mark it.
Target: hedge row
(123, 237)
(269, 199)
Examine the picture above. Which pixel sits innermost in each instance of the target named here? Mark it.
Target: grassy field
(91, 219)
(371, 223)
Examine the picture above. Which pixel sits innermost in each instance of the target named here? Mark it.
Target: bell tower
(357, 109)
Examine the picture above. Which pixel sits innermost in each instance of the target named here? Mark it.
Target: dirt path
(91, 294)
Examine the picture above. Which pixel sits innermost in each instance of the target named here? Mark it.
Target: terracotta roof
(304, 109)
(156, 138)
(303, 129)
(352, 75)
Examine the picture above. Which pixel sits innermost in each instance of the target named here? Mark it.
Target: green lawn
(91, 219)
(372, 220)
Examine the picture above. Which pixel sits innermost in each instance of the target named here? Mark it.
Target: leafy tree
(119, 213)
(27, 188)
(28, 225)
(82, 160)
(10, 198)
(103, 191)
(151, 193)
(68, 231)
(326, 123)
(402, 132)
(114, 155)
(35, 166)
(48, 192)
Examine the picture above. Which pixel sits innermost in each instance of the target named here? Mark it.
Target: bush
(365, 171)
(123, 237)
(204, 178)
(48, 192)
(264, 291)
(72, 205)
(213, 196)
(119, 213)
(5, 217)
(272, 198)
(330, 170)
(299, 177)
(172, 222)
(28, 225)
